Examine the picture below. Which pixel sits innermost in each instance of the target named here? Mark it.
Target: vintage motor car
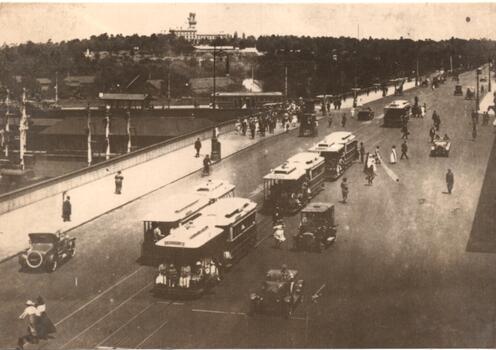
(440, 148)
(280, 293)
(317, 227)
(365, 113)
(458, 90)
(47, 250)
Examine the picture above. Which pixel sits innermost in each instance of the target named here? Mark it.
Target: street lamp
(489, 75)
(478, 73)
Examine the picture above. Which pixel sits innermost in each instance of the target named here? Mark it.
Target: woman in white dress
(393, 157)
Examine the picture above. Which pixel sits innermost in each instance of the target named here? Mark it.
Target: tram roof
(228, 210)
(193, 234)
(214, 189)
(286, 171)
(306, 159)
(398, 104)
(177, 207)
(333, 142)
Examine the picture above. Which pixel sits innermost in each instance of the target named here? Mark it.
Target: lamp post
(88, 126)
(489, 75)
(218, 52)
(478, 73)
(23, 129)
(107, 132)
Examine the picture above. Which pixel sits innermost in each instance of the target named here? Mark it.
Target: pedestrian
(450, 180)
(344, 189)
(404, 150)
(362, 152)
(198, 146)
(67, 209)
(393, 158)
(31, 313)
(474, 131)
(432, 133)
(404, 132)
(45, 326)
(118, 182)
(343, 120)
(378, 157)
(329, 121)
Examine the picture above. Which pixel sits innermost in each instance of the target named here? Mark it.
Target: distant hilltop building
(190, 34)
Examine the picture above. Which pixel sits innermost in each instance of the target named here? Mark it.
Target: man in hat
(118, 182)
(450, 180)
(344, 189)
(198, 146)
(31, 313)
(66, 209)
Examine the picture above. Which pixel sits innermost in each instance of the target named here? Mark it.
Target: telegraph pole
(7, 125)
(286, 83)
(168, 88)
(23, 129)
(107, 133)
(489, 75)
(56, 87)
(128, 130)
(88, 126)
(213, 97)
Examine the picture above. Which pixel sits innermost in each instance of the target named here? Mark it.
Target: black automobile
(280, 293)
(47, 250)
(317, 228)
(365, 113)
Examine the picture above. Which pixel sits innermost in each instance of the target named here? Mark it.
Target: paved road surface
(399, 275)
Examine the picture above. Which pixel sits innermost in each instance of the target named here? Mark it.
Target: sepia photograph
(247, 175)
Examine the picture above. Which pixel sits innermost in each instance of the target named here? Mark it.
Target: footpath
(96, 198)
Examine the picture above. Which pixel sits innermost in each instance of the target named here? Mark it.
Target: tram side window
(242, 226)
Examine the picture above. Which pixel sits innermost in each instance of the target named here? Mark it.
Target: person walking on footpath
(450, 180)
(344, 190)
(361, 150)
(474, 131)
(198, 146)
(393, 157)
(404, 132)
(118, 182)
(432, 133)
(67, 209)
(343, 120)
(404, 150)
(329, 120)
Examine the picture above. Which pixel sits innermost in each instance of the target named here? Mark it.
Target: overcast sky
(20, 22)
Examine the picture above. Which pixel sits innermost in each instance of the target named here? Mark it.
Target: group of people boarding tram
(187, 276)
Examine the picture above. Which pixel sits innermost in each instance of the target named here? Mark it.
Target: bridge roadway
(399, 274)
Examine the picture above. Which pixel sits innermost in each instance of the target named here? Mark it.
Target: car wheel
(52, 264)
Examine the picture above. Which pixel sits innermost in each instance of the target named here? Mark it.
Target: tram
(248, 100)
(314, 166)
(396, 113)
(284, 188)
(339, 150)
(196, 254)
(177, 210)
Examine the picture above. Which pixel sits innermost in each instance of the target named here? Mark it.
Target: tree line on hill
(314, 64)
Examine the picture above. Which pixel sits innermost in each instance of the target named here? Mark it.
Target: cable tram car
(196, 254)
(396, 113)
(314, 166)
(339, 150)
(178, 209)
(215, 189)
(283, 188)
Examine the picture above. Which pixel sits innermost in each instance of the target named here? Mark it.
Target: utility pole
(128, 130)
(23, 129)
(107, 132)
(489, 75)
(7, 125)
(451, 64)
(478, 72)
(286, 83)
(56, 87)
(168, 88)
(213, 97)
(88, 126)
